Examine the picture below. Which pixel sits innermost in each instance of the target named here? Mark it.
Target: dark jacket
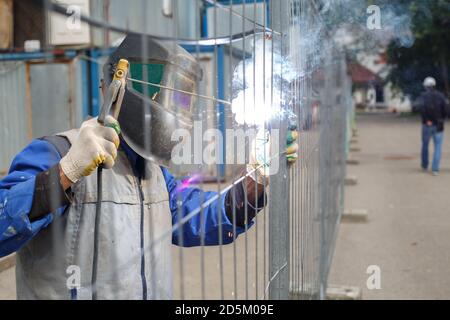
(433, 106)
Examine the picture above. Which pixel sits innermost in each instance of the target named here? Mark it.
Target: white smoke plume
(260, 85)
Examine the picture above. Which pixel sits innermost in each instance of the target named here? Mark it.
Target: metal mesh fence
(268, 66)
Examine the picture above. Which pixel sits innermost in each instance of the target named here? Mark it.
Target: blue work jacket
(17, 191)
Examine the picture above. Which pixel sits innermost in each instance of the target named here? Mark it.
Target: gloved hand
(260, 154)
(95, 145)
(292, 145)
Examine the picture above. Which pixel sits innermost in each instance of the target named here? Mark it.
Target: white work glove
(261, 154)
(259, 163)
(95, 145)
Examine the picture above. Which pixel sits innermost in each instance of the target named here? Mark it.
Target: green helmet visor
(154, 73)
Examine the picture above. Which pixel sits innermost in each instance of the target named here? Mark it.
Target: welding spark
(186, 183)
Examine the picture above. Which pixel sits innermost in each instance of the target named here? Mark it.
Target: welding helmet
(150, 114)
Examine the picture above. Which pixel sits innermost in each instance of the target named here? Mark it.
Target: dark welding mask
(150, 114)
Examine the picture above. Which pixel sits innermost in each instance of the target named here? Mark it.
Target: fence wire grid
(271, 52)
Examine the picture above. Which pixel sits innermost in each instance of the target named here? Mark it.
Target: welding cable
(183, 41)
(98, 211)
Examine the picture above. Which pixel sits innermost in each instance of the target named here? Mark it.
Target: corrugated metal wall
(130, 14)
(46, 99)
(51, 98)
(13, 119)
(218, 21)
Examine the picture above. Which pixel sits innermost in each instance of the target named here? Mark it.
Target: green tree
(430, 53)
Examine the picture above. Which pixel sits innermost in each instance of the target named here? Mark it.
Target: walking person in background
(433, 106)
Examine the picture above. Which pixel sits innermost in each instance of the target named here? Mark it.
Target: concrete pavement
(8, 284)
(408, 233)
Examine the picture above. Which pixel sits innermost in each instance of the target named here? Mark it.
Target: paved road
(8, 285)
(408, 235)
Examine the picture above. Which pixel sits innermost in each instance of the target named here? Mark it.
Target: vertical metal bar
(265, 219)
(256, 187)
(202, 211)
(95, 92)
(271, 261)
(324, 174)
(246, 179)
(145, 78)
(179, 201)
(216, 87)
(278, 206)
(221, 109)
(295, 193)
(293, 200)
(304, 103)
(230, 59)
(28, 102)
(85, 88)
(106, 33)
(71, 93)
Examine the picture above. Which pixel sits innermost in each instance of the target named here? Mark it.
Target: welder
(49, 198)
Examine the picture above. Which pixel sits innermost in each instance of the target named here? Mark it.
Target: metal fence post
(279, 224)
(279, 183)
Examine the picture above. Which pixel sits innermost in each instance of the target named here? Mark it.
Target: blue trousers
(428, 133)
